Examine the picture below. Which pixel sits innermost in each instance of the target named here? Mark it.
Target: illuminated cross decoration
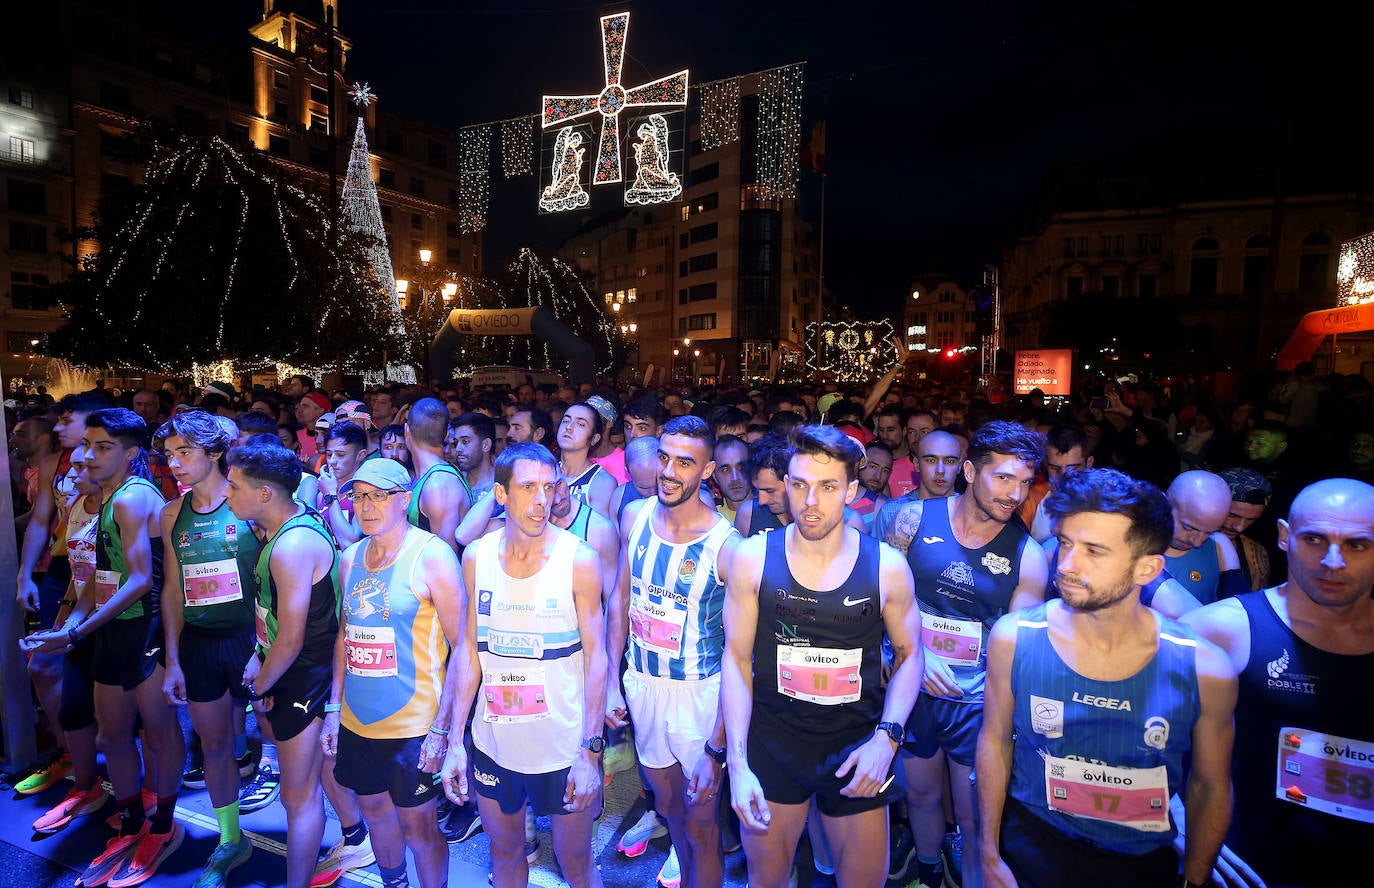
(670, 90)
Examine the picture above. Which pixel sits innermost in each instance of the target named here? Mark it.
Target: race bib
(955, 640)
(370, 651)
(81, 556)
(658, 626)
(260, 626)
(106, 585)
(1326, 773)
(515, 695)
(1134, 797)
(216, 582)
(828, 676)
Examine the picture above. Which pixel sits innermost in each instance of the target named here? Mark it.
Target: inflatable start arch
(511, 322)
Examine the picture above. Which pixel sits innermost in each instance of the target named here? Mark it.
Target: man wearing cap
(356, 412)
(309, 409)
(385, 721)
(218, 398)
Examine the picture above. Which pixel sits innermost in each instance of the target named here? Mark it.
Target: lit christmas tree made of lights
(361, 211)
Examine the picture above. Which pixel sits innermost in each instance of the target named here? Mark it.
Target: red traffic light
(949, 353)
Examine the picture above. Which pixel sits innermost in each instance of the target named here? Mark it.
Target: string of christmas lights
(779, 130)
(474, 177)
(517, 146)
(719, 114)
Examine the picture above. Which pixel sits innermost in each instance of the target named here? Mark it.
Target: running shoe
(620, 757)
(261, 791)
(342, 858)
(225, 857)
(901, 853)
(45, 776)
(73, 805)
(148, 855)
(952, 857)
(461, 824)
(111, 860)
(636, 839)
(193, 777)
(670, 876)
(531, 838)
(149, 799)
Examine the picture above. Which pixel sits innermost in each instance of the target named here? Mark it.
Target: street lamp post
(434, 290)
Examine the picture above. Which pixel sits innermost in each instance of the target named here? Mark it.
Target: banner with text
(1047, 369)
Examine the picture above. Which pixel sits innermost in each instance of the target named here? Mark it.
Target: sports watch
(596, 745)
(894, 730)
(717, 755)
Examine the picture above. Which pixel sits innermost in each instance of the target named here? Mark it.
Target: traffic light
(949, 354)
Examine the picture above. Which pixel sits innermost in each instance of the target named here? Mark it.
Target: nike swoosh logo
(151, 652)
(930, 541)
(848, 603)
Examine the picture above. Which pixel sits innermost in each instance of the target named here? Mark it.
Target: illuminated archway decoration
(670, 91)
(538, 322)
(849, 351)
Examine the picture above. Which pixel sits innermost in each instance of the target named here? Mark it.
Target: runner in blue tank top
(973, 561)
(1094, 704)
(666, 618)
(1200, 557)
(805, 714)
(1304, 812)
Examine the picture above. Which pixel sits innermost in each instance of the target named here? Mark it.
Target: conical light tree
(362, 212)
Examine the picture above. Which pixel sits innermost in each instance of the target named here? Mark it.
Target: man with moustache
(1096, 709)
(1304, 812)
(972, 563)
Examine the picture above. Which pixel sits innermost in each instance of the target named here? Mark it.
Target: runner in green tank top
(288, 678)
(208, 613)
(118, 617)
(440, 497)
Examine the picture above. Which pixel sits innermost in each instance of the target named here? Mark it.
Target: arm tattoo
(904, 528)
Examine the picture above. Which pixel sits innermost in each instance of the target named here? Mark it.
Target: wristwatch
(894, 730)
(717, 755)
(329, 499)
(596, 745)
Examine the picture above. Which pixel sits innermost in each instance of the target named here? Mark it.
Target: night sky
(946, 121)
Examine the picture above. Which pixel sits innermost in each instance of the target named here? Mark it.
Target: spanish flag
(813, 155)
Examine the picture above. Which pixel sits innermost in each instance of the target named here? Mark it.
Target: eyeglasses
(377, 497)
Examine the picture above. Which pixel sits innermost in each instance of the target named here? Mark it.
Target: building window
(686, 213)
(116, 147)
(682, 297)
(319, 158)
(944, 317)
(21, 97)
(386, 178)
(705, 174)
(1314, 264)
(113, 184)
(417, 186)
(1119, 245)
(1068, 247)
(319, 123)
(281, 80)
(695, 322)
(1147, 286)
(1106, 244)
(27, 197)
(280, 112)
(704, 233)
(319, 94)
(701, 263)
(455, 256)
(278, 146)
(29, 292)
(417, 221)
(1155, 244)
(1142, 243)
(1111, 286)
(1203, 268)
(453, 230)
(682, 241)
(682, 268)
(701, 292)
(706, 203)
(1082, 246)
(21, 149)
(28, 238)
(236, 133)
